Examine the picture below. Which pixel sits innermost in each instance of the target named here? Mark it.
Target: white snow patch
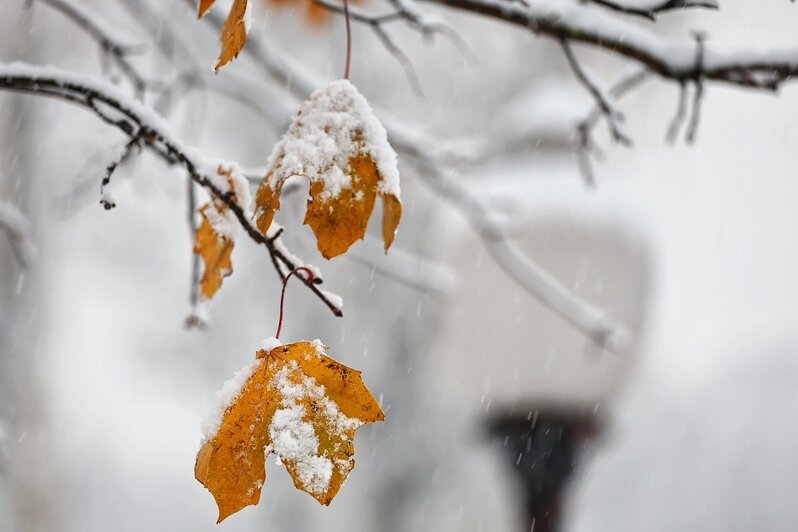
(319, 346)
(333, 298)
(225, 397)
(334, 125)
(294, 439)
(270, 343)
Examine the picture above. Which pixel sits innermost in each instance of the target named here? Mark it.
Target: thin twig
(585, 146)
(699, 88)
(681, 114)
(105, 199)
(376, 24)
(611, 113)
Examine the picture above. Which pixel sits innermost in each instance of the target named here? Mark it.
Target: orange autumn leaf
(214, 238)
(215, 251)
(234, 31)
(342, 149)
(297, 403)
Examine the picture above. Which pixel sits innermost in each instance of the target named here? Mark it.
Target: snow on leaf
(298, 404)
(215, 250)
(215, 237)
(234, 31)
(340, 146)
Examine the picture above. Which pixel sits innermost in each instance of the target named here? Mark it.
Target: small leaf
(234, 31)
(216, 251)
(299, 404)
(340, 146)
(215, 237)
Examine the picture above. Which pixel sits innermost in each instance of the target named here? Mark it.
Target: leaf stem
(308, 281)
(348, 40)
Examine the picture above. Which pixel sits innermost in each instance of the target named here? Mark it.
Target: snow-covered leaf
(293, 401)
(340, 146)
(215, 250)
(215, 237)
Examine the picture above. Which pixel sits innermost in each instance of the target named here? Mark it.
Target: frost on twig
(427, 154)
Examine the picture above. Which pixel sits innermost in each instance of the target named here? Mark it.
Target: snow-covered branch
(670, 59)
(16, 227)
(139, 122)
(431, 160)
(650, 9)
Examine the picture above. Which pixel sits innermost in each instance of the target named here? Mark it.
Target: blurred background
(501, 416)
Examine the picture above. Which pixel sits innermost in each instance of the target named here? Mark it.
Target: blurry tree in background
(420, 64)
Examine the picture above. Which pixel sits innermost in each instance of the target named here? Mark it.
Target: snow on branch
(651, 8)
(670, 59)
(141, 124)
(431, 156)
(15, 225)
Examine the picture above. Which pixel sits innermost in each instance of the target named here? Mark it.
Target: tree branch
(133, 119)
(668, 59)
(431, 160)
(651, 12)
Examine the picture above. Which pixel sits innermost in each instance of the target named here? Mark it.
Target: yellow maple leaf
(234, 31)
(216, 251)
(338, 144)
(295, 402)
(214, 239)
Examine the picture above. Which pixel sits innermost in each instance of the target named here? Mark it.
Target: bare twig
(699, 88)
(376, 24)
(105, 199)
(585, 146)
(611, 113)
(681, 113)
